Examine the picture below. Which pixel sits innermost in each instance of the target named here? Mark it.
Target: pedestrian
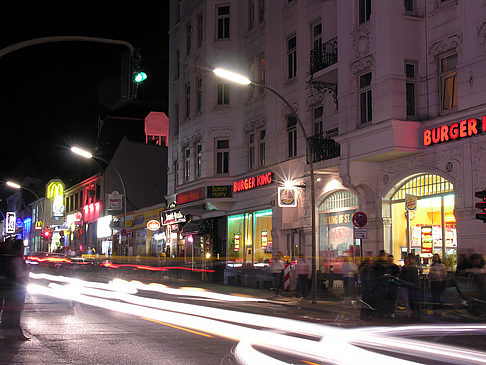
(14, 296)
(366, 286)
(303, 271)
(277, 269)
(349, 272)
(410, 275)
(380, 284)
(393, 270)
(438, 279)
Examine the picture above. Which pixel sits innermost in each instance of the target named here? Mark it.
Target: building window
(252, 74)
(261, 11)
(199, 40)
(316, 36)
(199, 93)
(176, 119)
(364, 10)
(317, 118)
(176, 174)
(223, 22)
(261, 148)
(188, 101)
(251, 151)
(448, 81)
(292, 135)
(187, 163)
(292, 57)
(188, 39)
(222, 156)
(223, 94)
(261, 73)
(198, 159)
(410, 75)
(365, 98)
(178, 63)
(251, 14)
(408, 5)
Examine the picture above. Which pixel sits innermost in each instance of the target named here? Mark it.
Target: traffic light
(47, 234)
(138, 75)
(481, 205)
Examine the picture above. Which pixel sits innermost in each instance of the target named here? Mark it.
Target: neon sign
(54, 189)
(252, 182)
(464, 128)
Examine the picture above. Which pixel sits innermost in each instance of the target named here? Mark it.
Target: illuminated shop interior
(250, 238)
(431, 220)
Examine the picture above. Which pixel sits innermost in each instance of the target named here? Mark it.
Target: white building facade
(390, 94)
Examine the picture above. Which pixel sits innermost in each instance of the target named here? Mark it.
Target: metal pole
(313, 200)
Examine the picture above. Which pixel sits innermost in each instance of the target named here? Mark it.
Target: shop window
(250, 239)
(423, 218)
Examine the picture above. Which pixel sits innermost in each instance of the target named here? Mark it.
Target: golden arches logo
(55, 189)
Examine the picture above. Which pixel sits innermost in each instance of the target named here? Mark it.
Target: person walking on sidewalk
(410, 275)
(277, 269)
(17, 274)
(349, 271)
(437, 277)
(303, 271)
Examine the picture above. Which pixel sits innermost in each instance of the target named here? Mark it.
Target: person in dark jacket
(393, 270)
(410, 275)
(17, 273)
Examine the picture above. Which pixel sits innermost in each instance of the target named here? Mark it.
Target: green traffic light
(139, 77)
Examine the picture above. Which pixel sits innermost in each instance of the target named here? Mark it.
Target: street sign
(360, 233)
(360, 219)
(123, 232)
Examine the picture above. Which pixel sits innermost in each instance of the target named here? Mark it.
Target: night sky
(53, 94)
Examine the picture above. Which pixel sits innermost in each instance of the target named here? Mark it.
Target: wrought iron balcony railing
(323, 56)
(323, 147)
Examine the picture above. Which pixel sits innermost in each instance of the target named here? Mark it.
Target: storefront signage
(337, 218)
(171, 217)
(115, 201)
(264, 237)
(464, 128)
(252, 182)
(287, 197)
(223, 191)
(190, 196)
(54, 188)
(153, 225)
(410, 202)
(58, 206)
(38, 225)
(11, 219)
(236, 241)
(104, 226)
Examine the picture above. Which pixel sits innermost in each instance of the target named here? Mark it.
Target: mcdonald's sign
(38, 225)
(54, 189)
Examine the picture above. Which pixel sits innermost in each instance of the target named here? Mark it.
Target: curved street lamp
(240, 79)
(18, 187)
(83, 153)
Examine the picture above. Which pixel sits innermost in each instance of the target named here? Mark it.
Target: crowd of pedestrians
(14, 274)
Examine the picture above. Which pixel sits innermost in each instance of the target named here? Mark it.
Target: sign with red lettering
(252, 182)
(464, 128)
(190, 196)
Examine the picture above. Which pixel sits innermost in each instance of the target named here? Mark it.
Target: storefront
(250, 239)
(336, 238)
(423, 219)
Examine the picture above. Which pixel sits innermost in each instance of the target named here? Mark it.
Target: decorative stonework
(364, 64)
(478, 163)
(361, 42)
(453, 42)
(196, 138)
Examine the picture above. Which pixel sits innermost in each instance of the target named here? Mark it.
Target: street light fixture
(88, 155)
(240, 79)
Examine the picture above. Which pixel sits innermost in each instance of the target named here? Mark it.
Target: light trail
(332, 345)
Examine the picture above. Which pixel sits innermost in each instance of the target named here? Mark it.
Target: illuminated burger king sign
(464, 128)
(252, 182)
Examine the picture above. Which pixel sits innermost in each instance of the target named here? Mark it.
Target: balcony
(323, 147)
(323, 56)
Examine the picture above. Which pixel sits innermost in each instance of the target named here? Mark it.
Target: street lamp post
(234, 77)
(86, 154)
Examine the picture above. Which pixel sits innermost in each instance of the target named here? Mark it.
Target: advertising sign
(252, 182)
(104, 227)
(153, 225)
(287, 197)
(171, 217)
(464, 128)
(11, 221)
(224, 191)
(115, 201)
(410, 202)
(190, 196)
(426, 239)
